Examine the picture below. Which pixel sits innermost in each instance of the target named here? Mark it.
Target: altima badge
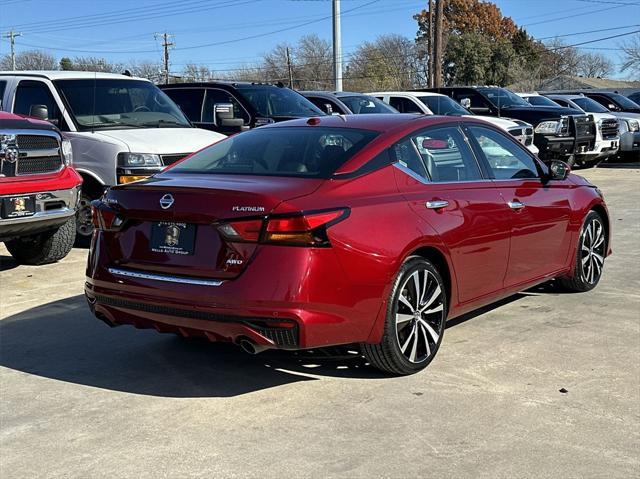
(166, 201)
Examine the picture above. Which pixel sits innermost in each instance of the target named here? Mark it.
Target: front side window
(541, 101)
(216, 95)
(443, 105)
(507, 160)
(32, 94)
(119, 103)
(503, 98)
(276, 102)
(189, 100)
(3, 86)
(305, 152)
(360, 104)
(326, 105)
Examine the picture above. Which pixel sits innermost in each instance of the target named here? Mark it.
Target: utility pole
(11, 36)
(290, 69)
(438, 44)
(165, 44)
(337, 46)
(430, 52)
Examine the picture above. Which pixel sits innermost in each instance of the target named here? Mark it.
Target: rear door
(441, 178)
(539, 212)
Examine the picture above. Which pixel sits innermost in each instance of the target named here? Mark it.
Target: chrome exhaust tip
(250, 347)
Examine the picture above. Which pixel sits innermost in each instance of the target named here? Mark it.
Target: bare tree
(274, 65)
(30, 60)
(563, 60)
(313, 64)
(389, 63)
(594, 65)
(145, 69)
(96, 64)
(631, 59)
(196, 73)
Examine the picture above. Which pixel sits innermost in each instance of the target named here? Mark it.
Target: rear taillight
(105, 218)
(303, 229)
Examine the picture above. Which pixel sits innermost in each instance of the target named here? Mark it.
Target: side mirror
(223, 116)
(41, 112)
(328, 109)
(558, 170)
(612, 107)
(466, 103)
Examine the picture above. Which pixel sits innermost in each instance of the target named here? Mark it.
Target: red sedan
(370, 229)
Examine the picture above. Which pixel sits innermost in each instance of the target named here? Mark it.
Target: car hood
(625, 115)
(541, 110)
(162, 140)
(504, 123)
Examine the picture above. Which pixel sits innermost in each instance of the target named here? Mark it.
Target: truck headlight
(67, 152)
(551, 127)
(633, 125)
(137, 160)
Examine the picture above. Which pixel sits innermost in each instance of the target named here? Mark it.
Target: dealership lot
(82, 400)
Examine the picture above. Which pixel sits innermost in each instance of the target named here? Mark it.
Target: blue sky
(214, 32)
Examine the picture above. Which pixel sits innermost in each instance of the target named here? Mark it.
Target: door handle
(516, 205)
(437, 204)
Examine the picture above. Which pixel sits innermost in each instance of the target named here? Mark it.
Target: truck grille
(171, 159)
(34, 165)
(609, 129)
(523, 134)
(583, 126)
(36, 142)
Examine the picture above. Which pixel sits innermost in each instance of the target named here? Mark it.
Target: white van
(121, 128)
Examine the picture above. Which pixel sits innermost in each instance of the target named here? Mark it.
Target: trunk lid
(181, 238)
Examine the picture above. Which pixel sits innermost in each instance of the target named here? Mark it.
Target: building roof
(568, 82)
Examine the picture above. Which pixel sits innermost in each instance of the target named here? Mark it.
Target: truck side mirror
(41, 112)
(223, 116)
(466, 103)
(328, 109)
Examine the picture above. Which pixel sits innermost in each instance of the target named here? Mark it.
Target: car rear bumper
(288, 298)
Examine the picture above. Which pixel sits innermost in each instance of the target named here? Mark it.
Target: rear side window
(305, 152)
(446, 155)
(215, 95)
(189, 100)
(505, 157)
(34, 93)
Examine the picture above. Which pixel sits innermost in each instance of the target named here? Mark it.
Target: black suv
(611, 100)
(559, 133)
(229, 107)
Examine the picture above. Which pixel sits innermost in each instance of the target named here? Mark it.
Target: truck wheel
(83, 223)
(43, 248)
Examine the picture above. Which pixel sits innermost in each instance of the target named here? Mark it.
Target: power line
(593, 41)
(588, 31)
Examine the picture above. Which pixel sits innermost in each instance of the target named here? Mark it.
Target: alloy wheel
(419, 315)
(592, 250)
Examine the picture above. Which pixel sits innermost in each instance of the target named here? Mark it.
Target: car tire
(590, 254)
(83, 221)
(415, 320)
(43, 248)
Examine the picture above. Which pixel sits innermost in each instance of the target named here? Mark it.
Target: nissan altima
(366, 229)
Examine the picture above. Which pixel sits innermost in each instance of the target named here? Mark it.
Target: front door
(539, 211)
(440, 177)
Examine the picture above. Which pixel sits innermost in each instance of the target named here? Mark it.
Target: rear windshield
(305, 152)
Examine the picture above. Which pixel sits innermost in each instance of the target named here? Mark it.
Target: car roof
(566, 97)
(69, 75)
(408, 93)
(231, 84)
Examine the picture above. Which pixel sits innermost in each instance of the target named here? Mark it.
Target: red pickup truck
(38, 190)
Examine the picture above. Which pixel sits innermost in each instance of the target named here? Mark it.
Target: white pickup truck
(121, 128)
(437, 104)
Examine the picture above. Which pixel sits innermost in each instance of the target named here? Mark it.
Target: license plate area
(173, 238)
(18, 206)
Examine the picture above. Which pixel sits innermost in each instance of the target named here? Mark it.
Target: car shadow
(63, 341)
(7, 263)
